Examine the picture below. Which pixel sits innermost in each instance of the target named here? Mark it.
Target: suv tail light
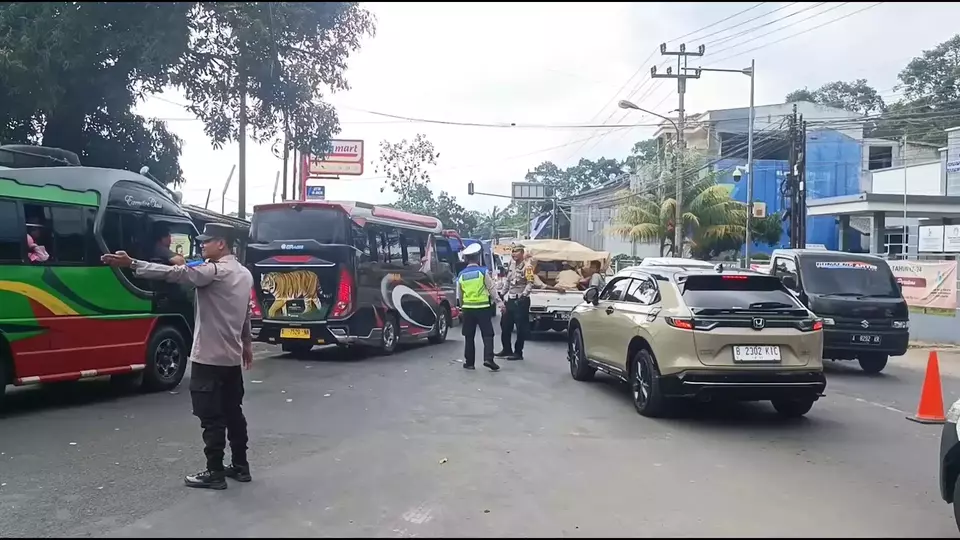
(683, 324)
(344, 302)
(254, 306)
(811, 325)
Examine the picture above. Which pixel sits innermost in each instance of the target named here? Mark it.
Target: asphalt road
(414, 445)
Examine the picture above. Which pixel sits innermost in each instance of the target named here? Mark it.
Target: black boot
(503, 354)
(206, 480)
(468, 366)
(240, 473)
(491, 365)
(515, 356)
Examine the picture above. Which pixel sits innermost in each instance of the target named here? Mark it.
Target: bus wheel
(443, 326)
(166, 360)
(390, 336)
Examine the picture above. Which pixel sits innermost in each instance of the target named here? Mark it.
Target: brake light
(683, 324)
(734, 278)
(254, 306)
(344, 302)
(817, 325)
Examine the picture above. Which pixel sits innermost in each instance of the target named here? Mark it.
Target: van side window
(59, 230)
(361, 242)
(390, 246)
(123, 231)
(783, 267)
(416, 246)
(68, 229)
(11, 233)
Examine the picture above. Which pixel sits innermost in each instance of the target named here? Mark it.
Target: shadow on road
(34, 399)
(713, 414)
(335, 354)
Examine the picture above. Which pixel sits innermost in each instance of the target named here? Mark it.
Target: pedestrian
(221, 343)
(477, 294)
(516, 291)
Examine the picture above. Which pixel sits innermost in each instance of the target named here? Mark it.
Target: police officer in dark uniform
(222, 342)
(477, 294)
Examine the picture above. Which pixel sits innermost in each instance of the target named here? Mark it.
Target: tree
(71, 73)
(709, 214)
(281, 55)
(405, 169)
(856, 96)
(644, 153)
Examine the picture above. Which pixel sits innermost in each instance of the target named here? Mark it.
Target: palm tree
(709, 214)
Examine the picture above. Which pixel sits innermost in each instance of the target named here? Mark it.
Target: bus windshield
(848, 276)
(324, 225)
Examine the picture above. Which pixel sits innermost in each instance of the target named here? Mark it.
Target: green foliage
(282, 55)
(856, 96)
(931, 90)
(405, 166)
(72, 72)
(710, 217)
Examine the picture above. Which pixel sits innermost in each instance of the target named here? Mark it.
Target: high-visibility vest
(473, 288)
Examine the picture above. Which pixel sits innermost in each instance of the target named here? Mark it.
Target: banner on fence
(930, 286)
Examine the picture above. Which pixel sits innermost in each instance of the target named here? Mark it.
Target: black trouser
(472, 319)
(217, 394)
(518, 314)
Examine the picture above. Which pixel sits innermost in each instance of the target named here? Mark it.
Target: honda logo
(758, 323)
(864, 323)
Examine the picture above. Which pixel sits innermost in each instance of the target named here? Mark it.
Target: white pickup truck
(550, 309)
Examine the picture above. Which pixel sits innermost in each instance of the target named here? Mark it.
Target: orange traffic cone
(930, 409)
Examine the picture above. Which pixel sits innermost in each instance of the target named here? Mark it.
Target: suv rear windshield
(325, 225)
(852, 276)
(736, 291)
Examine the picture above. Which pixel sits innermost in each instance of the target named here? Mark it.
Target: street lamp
(677, 226)
(750, 72)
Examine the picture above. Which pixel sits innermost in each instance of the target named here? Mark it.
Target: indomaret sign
(345, 158)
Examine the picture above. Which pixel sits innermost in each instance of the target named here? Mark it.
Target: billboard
(928, 286)
(345, 158)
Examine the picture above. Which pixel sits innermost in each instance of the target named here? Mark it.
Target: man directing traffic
(221, 342)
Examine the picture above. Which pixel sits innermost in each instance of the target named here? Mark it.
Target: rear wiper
(770, 305)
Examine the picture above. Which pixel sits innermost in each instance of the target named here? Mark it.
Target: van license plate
(866, 339)
(756, 353)
(295, 333)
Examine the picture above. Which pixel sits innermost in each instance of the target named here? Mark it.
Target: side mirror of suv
(789, 282)
(590, 295)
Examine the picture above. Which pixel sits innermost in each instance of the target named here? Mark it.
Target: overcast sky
(561, 64)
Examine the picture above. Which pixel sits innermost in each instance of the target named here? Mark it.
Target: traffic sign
(316, 193)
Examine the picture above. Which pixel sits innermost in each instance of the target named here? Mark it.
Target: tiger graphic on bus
(291, 286)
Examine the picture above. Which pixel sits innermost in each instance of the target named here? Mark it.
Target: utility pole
(296, 177)
(681, 78)
(751, 72)
(207, 203)
(242, 136)
(792, 188)
(226, 186)
(906, 234)
(802, 182)
(275, 184)
(286, 153)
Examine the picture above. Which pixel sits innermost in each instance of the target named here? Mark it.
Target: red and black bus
(347, 273)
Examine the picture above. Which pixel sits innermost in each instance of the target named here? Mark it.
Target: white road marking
(418, 516)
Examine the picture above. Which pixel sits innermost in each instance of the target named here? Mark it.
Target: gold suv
(683, 332)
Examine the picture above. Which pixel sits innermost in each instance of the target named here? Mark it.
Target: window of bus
(326, 225)
(390, 247)
(415, 244)
(58, 234)
(11, 233)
